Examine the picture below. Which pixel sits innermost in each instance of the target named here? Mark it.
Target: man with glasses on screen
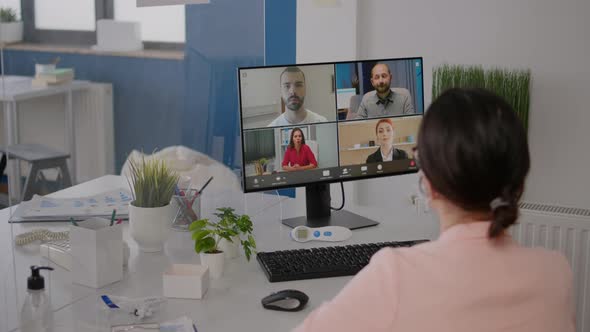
(293, 95)
(384, 101)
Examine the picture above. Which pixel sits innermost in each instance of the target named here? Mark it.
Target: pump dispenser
(36, 314)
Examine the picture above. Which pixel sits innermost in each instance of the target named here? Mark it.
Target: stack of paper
(54, 77)
(182, 324)
(41, 208)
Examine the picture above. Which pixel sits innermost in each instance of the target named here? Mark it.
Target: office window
(164, 24)
(73, 22)
(14, 4)
(78, 15)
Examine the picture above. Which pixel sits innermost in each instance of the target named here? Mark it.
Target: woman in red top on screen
(298, 156)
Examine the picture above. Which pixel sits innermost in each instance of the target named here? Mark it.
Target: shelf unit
(375, 146)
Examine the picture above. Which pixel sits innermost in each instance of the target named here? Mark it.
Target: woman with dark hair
(386, 152)
(473, 155)
(298, 156)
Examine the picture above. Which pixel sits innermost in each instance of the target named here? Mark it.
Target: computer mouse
(285, 300)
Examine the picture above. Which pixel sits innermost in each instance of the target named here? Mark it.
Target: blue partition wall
(221, 37)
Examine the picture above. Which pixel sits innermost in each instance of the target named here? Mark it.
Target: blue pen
(73, 221)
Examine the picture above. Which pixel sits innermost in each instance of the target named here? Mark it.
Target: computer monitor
(315, 124)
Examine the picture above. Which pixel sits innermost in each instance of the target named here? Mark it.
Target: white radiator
(567, 230)
(94, 127)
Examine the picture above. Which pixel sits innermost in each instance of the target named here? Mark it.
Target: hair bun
(504, 215)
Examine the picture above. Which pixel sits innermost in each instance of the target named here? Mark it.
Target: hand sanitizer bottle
(36, 315)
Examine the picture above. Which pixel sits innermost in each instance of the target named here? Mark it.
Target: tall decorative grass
(512, 85)
(152, 183)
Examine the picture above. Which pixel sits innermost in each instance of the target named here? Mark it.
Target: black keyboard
(325, 262)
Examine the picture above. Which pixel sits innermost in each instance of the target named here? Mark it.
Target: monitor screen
(329, 122)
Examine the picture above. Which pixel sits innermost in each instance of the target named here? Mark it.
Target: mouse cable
(343, 199)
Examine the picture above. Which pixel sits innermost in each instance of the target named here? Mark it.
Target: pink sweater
(461, 282)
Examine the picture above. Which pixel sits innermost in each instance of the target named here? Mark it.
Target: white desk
(17, 88)
(233, 302)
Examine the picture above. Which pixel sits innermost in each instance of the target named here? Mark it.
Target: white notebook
(41, 208)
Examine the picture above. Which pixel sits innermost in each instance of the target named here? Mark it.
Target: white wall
(549, 37)
(328, 146)
(319, 96)
(326, 30)
(260, 96)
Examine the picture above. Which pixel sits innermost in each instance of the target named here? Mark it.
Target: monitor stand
(319, 214)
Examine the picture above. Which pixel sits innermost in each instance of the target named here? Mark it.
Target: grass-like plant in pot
(11, 28)
(511, 84)
(153, 184)
(209, 237)
(8, 15)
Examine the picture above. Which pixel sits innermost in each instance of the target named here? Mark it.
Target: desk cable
(343, 199)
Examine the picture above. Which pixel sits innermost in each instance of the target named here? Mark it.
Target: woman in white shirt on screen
(386, 152)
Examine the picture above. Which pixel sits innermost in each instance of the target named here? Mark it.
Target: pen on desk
(119, 221)
(73, 221)
(113, 217)
(205, 186)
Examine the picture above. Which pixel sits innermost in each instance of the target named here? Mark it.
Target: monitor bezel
(326, 181)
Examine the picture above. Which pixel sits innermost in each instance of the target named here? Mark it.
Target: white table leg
(13, 166)
(70, 136)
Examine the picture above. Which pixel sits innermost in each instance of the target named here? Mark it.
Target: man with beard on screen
(293, 95)
(384, 101)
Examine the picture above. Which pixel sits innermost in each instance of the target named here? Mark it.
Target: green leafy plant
(152, 183)
(8, 15)
(263, 162)
(207, 234)
(512, 85)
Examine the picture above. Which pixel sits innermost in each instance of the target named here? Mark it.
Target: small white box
(186, 281)
(118, 36)
(97, 252)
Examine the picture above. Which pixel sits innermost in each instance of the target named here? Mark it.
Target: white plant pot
(214, 262)
(150, 227)
(230, 248)
(11, 32)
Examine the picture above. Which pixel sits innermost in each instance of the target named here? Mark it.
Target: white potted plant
(150, 213)
(11, 29)
(208, 236)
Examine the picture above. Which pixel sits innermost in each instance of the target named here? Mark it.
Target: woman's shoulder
(544, 256)
(400, 154)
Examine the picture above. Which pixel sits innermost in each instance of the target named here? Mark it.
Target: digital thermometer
(328, 233)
